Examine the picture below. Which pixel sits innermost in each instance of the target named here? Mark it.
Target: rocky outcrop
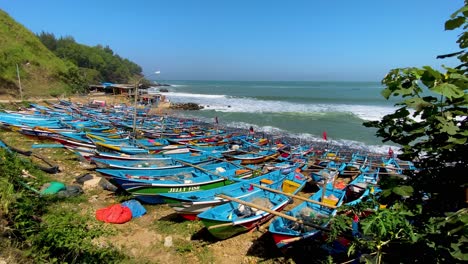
(186, 106)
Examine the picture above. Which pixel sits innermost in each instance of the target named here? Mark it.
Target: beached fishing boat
(255, 158)
(136, 164)
(123, 145)
(232, 218)
(164, 162)
(188, 205)
(158, 145)
(318, 211)
(146, 185)
(320, 174)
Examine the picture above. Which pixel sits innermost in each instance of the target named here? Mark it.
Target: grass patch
(176, 225)
(46, 228)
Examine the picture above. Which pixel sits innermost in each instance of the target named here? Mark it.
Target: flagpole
(136, 92)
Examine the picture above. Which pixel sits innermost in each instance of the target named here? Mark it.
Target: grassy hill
(42, 73)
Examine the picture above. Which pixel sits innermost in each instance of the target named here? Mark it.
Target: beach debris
(52, 188)
(168, 241)
(135, 207)
(90, 181)
(60, 189)
(114, 214)
(70, 191)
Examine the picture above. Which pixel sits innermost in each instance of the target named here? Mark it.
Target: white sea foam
(182, 96)
(275, 132)
(303, 138)
(223, 103)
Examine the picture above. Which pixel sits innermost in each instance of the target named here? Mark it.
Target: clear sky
(254, 39)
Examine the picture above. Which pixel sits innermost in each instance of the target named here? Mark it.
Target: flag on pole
(324, 135)
(390, 152)
(216, 119)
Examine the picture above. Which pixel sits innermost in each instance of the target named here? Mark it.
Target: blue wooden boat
(146, 185)
(286, 232)
(188, 205)
(124, 145)
(232, 218)
(164, 162)
(255, 158)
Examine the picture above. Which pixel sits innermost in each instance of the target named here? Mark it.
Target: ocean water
(301, 110)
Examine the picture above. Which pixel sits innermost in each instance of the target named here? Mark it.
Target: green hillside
(55, 66)
(41, 72)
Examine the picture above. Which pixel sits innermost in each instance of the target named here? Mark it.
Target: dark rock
(186, 106)
(163, 90)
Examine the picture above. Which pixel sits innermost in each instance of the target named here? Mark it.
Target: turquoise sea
(301, 110)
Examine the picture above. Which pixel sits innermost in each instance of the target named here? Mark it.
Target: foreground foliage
(46, 228)
(426, 219)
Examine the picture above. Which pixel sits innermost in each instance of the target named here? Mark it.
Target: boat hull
(224, 232)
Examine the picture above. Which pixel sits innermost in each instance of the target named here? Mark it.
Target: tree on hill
(96, 64)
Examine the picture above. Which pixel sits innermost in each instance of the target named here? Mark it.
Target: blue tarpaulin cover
(136, 207)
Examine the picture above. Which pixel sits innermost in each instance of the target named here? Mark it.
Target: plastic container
(290, 186)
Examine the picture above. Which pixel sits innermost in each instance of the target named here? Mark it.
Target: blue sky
(254, 40)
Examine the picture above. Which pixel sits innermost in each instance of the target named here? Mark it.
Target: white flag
(157, 72)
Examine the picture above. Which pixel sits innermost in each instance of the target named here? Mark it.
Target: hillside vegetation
(50, 66)
(41, 72)
(96, 64)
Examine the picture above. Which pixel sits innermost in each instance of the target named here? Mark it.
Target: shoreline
(164, 108)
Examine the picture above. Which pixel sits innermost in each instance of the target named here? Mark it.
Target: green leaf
(417, 103)
(458, 253)
(461, 10)
(432, 72)
(386, 93)
(459, 141)
(447, 126)
(403, 190)
(464, 218)
(454, 23)
(458, 76)
(386, 192)
(448, 90)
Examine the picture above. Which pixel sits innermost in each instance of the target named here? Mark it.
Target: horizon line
(221, 80)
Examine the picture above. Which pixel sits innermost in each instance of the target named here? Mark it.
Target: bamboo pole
(221, 225)
(268, 210)
(292, 195)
